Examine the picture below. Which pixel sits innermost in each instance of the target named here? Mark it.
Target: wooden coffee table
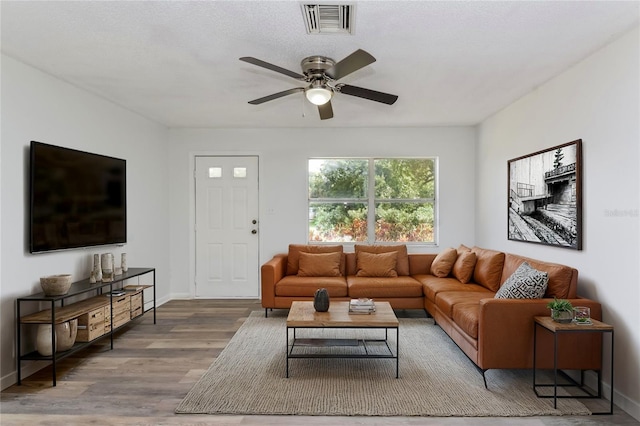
(303, 315)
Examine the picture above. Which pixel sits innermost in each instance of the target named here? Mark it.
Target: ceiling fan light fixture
(318, 93)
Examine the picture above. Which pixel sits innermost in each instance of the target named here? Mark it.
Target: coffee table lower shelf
(363, 345)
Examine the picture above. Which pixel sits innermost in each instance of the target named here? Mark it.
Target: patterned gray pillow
(525, 283)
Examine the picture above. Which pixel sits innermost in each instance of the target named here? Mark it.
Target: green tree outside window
(400, 209)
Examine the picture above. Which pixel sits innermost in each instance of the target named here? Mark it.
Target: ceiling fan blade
(276, 96)
(271, 67)
(355, 61)
(326, 111)
(372, 95)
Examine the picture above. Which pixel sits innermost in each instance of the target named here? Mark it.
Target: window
(372, 200)
(215, 172)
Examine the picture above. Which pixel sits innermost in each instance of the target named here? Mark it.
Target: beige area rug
(436, 379)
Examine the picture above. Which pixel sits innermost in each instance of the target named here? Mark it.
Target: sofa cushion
(319, 264)
(376, 264)
(420, 263)
(466, 315)
(462, 248)
(464, 266)
(383, 287)
(525, 283)
(443, 263)
(488, 269)
(402, 262)
(446, 300)
(293, 257)
(433, 285)
(560, 276)
(294, 286)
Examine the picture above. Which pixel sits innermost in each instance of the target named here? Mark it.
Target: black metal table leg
(53, 342)
(555, 370)
(397, 352)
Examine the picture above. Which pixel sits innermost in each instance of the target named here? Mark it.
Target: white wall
(597, 101)
(283, 155)
(36, 106)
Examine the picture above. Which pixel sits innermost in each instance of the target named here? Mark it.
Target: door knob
(254, 221)
(253, 231)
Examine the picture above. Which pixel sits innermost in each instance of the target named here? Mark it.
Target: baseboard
(161, 301)
(27, 370)
(188, 296)
(180, 296)
(621, 401)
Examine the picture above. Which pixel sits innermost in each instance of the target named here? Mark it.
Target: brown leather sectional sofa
(492, 332)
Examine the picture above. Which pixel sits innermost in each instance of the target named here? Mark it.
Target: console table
(92, 298)
(548, 324)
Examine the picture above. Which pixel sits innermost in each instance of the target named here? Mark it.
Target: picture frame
(544, 197)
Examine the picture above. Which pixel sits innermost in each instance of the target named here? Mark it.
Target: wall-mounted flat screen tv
(78, 199)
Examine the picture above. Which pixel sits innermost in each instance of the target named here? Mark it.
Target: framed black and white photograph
(545, 197)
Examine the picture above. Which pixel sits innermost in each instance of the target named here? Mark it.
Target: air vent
(328, 19)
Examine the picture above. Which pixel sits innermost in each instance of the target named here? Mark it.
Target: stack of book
(362, 306)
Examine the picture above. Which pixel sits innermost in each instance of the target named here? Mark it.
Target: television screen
(78, 199)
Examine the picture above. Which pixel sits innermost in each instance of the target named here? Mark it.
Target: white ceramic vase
(43, 340)
(97, 267)
(123, 262)
(66, 333)
(107, 267)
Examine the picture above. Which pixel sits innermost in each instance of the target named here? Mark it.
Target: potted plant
(561, 310)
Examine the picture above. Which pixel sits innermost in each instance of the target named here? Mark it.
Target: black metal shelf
(85, 286)
(78, 346)
(77, 288)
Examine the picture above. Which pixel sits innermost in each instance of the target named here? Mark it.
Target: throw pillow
(293, 258)
(525, 283)
(464, 266)
(462, 248)
(443, 263)
(319, 264)
(402, 260)
(488, 269)
(376, 264)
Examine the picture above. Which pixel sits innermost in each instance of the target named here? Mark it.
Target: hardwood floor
(152, 367)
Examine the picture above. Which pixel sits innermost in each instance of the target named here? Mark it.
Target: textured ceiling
(450, 63)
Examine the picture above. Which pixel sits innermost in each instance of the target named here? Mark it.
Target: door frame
(192, 210)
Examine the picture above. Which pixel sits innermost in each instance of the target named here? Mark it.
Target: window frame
(371, 201)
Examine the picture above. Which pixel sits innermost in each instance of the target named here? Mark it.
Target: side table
(548, 324)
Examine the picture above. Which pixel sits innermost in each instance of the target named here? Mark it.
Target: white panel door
(226, 227)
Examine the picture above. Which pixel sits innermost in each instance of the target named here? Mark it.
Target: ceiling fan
(321, 74)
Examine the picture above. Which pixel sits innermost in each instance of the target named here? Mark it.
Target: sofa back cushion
(443, 263)
(376, 264)
(488, 269)
(293, 257)
(319, 264)
(402, 261)
(464, 266)
(562, 279)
